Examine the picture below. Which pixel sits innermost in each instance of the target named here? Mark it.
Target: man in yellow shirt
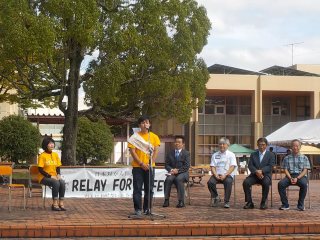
(142, 145)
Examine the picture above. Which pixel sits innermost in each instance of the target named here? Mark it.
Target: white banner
(104, 182)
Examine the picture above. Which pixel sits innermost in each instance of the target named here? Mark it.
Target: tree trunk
(71, 112)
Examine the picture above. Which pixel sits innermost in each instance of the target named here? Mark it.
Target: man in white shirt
(223, 166)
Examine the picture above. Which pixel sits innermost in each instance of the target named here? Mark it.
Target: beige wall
(7, 109)
(232, 82)
(170, 127)
(268, 83)
(290, 83)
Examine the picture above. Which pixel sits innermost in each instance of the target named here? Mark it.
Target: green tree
(148, 60)
(42, 46)
(94, 141)
(19, 139)
(147, 57)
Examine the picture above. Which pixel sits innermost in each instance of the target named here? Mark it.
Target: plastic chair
(6, 171)
(297, 189)
(33, 183)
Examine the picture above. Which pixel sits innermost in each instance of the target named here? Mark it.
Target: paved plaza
(109, 217)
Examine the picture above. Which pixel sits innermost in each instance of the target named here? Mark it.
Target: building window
(303, 108)
(275, 110)
(219, 109)
(209, 109)
(223, 116)
(276, 113)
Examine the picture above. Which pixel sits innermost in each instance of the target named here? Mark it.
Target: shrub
(94, 142)
(19, 139)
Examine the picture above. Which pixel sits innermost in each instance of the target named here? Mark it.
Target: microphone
(148, 127)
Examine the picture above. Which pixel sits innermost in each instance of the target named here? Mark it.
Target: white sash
(138, 141)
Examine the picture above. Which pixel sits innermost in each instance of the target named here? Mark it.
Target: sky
(256, 34)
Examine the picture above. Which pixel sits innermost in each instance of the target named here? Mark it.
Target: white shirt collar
(262, 153)
(223, 153)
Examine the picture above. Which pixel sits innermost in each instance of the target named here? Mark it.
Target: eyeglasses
(262, 144)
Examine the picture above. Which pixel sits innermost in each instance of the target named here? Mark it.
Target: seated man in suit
(295, 166)
(177, 165)
(260, 166)
(223, 166)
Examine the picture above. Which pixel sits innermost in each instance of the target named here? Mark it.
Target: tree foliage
(148, 60)
(147, 57)
(19, 139)
(42, 46)
(94, 141)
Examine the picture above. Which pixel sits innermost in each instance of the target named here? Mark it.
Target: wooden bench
(196, 175)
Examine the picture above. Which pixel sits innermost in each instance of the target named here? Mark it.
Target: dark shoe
(300, 208)
(249, 205)
(146, 212)
(136, 215)
(55, 208)
(166, 203)
(62, 208)
(284, 207)
(263, 206)
(226, 205)
(215, 201)
(180, 204)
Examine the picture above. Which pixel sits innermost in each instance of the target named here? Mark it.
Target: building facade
(244, 105)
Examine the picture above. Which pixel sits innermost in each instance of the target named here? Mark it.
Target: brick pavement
(108, 217)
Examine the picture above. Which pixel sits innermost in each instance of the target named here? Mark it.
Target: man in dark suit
(260, 166)
(177, 165)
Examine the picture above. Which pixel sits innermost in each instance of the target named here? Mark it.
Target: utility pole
(292, 44)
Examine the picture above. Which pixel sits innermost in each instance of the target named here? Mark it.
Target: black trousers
(178, 181)
(227, 183)
(251, 180)
(58, 187)
(140, 179)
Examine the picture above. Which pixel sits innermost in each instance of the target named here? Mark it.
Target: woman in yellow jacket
(49, 173)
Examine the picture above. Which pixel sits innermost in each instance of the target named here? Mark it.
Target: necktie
(177, 154)
(261, 157)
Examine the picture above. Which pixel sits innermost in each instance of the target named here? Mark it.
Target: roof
(59, 119)
(311, 150)
(46, 118)
(239, 150)
(274, 70)
(222, 69)
(308, 132)
(286, 71)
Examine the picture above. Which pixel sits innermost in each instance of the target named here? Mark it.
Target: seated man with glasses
(295, 167)
(260, 166)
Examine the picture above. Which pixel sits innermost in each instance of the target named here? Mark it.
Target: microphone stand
(151, 172)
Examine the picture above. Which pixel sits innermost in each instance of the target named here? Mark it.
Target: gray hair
(224, 140)
(296, 140)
